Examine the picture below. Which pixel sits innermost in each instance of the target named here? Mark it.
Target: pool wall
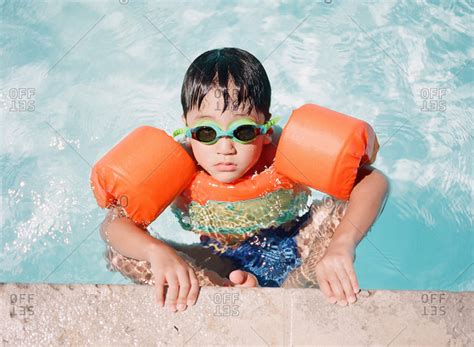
(43, 314)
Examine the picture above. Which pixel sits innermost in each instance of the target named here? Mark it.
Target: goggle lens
(205, 134)
(246, 132)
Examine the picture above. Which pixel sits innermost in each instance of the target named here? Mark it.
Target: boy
(224, 85)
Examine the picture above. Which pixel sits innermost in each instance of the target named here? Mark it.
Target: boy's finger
(336, 286)
(184, 287)
(346, 285)
(160, 289)
(194, 291)
(326, 289)
(172, 293)
(353, 278)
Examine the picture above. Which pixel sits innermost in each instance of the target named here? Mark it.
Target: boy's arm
(126, 237)
(370, 192)
(167, 266)
(335, 271)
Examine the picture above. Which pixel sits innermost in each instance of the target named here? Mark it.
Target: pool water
(78, 76)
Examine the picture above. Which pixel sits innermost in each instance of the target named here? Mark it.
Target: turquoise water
(77, 77)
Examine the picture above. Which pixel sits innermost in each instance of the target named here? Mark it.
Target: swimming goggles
(241, 130)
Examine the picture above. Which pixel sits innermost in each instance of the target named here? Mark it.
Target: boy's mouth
(225, 166)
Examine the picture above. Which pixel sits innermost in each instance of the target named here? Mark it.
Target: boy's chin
(226, 177)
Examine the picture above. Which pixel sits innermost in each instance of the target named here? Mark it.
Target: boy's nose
(225, 145)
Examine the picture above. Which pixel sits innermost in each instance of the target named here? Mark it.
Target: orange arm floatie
(324, 149)
(143, 173)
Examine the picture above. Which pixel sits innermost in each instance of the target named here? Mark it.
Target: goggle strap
(271, 123)
(179, 131)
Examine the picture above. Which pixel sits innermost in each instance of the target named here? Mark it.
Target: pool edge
(94, 314)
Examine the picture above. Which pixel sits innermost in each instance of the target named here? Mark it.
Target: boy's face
(225, 150)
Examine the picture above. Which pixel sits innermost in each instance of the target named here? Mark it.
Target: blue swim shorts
(270, 255)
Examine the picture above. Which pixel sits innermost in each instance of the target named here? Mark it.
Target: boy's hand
(336, 275)
(169, 268)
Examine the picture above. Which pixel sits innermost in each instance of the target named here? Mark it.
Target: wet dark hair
(215, 69)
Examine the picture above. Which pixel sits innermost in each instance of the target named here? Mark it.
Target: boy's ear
(188, 140)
